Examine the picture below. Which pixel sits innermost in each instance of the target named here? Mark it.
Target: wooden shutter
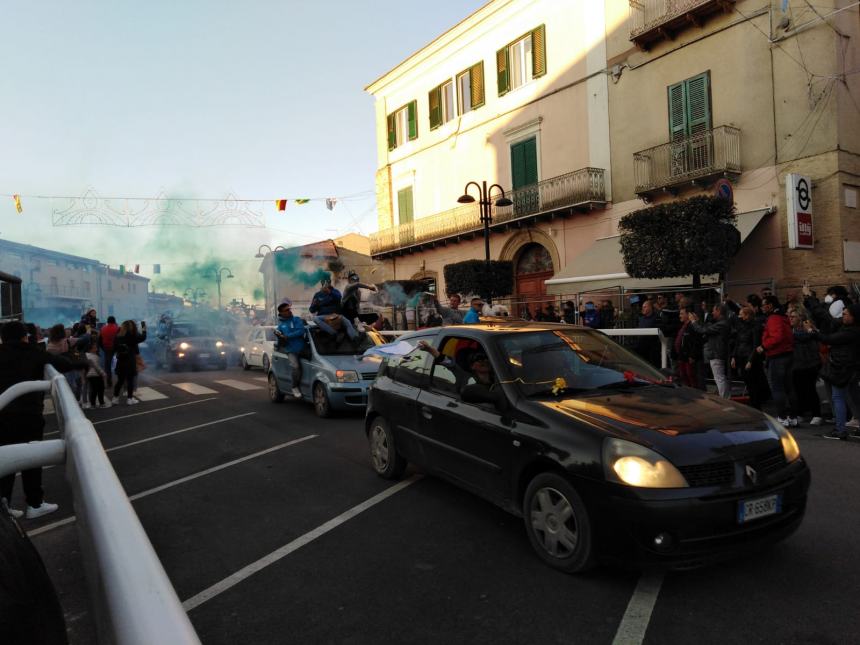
(524, 164)
(502, 71)
(476, 82)
(539, 51)
(392, 132)
(530, 161)
(677, 111)
(435, 100)
(404, 206)
(698, 104)
(412, 110)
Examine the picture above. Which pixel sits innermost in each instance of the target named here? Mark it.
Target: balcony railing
(57, 291)
(652, 20)
(583, 188)
(704, 155)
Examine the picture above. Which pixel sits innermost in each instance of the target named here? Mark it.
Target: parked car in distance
(178, 344)
(601, 457)
(334, 376)
(258, 347)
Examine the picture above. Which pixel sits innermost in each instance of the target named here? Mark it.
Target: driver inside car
(479, 371)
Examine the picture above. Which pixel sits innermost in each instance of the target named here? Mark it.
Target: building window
(689, 124)
(521, 61)
(441, 100)
(86, 288)
(470, 88)
(133, 287)
(403, 125)
(54, 287)
(110, 285)
(405, 212)
(71, 284)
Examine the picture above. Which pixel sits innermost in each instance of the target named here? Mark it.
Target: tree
(472, 276)
(695, 236)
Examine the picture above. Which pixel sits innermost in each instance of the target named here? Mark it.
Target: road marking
(299, 542)
(264, 379)
(176, 482)
(168, 434)
(148, 394)
(240, 385)
(194, 388)
(169, 407)
(634, 624)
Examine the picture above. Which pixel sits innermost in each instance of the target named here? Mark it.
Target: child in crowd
(95, 378)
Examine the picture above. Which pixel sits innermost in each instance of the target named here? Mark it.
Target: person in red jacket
(777, 344)
(106, 343)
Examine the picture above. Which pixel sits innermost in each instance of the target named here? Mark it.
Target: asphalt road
(342, 556)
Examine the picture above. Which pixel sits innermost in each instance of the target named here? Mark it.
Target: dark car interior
(340, 345)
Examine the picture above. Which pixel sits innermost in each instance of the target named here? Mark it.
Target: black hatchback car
(602, 457)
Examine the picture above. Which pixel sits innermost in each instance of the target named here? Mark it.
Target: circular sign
(803, 196)
(724, 189)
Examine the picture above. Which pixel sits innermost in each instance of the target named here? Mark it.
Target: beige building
(590, 110)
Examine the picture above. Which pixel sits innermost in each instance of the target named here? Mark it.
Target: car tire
(275, 394)
(172, 366)
(557, 523)
(265, 363)
(322, 406)
(384, 457)
(244, 362)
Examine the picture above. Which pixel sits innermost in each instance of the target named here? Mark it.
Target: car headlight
(184, 345)
(789, 444)
(218, 343)
(346, 376)
(629, 463)
(241, 349)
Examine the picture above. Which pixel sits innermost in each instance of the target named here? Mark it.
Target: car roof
(492, 327)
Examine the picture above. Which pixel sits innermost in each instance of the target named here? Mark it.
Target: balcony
(581, 190)
(698, 158)
(75, 293)
(653, 20)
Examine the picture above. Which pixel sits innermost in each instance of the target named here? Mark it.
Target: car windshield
(328, 345)
(586, 360)
(183, 331)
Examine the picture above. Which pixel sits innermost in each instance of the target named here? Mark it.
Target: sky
(196, 99)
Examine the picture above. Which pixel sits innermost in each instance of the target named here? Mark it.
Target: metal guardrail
(651, 331)
(710, 152)
(132, 598)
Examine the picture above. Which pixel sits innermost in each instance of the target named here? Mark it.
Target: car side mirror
(480, 394)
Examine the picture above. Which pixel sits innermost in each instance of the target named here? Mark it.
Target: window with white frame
(448, 111)
(521, 62)
(403, 125)
(464, 93)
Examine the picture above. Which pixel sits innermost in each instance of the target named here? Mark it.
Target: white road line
(148, 394)
(158, 489)
(264, 379)
(168, 434)
(240, 385)
(299, 542)
(194, 388)
(169, 407)
(634, 624)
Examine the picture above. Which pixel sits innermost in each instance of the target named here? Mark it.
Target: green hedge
(472, 277)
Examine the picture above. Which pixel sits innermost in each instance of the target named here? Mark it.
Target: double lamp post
(485, 202)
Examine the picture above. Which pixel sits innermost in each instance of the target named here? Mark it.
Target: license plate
(204, 356)
(752, 509)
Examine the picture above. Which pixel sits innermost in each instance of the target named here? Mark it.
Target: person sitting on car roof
(326, 307)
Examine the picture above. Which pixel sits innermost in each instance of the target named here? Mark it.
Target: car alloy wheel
(321, 403)
(386, 461)
(557, 523)
(265, 363)
(244, 362)
(275, 393)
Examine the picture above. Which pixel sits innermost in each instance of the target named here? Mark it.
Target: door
(524, 177)
(254, 350)
(534, 266)
(398, 401)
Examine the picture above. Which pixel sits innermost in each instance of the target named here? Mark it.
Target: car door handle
(426, 412)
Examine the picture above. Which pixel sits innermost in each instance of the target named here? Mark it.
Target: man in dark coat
(21, 421)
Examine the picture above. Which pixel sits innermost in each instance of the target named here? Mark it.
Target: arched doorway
(532, 267)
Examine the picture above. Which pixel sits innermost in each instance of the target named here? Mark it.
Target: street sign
(724, 189)
(798, 198)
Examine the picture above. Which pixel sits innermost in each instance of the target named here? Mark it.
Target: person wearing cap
(351, 302)
(472, 316)
(326, 307)
(291, 341)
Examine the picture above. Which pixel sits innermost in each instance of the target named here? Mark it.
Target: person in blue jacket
(326, 307)
(291, 340)
(472, 316)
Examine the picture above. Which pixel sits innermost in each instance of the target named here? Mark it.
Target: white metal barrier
(652, 331)
(131, 595)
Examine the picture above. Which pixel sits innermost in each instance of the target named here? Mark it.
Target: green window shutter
(530, 154)
(698, 104)
(392, 132)
(678, 111)
(502, 67)
(539, 51)
(404, 206)
(524, 164)
(413, 119)
(476, 78)
(434, 98)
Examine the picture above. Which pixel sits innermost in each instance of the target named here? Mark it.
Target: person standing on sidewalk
(748, 363)
(107, 335)
(777, 346)
(716, 351)
(687, 350)
(805, 367)
(127, 350)
(22, 420)
(291, 341)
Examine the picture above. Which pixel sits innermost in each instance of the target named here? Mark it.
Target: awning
(749, 220)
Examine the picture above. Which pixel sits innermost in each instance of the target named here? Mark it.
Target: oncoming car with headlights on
(603, 458)
(189, 344)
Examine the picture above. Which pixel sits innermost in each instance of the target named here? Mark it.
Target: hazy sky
(262, 99)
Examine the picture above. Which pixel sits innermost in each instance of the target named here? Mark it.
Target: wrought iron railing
(578, 187)
(706, 153)
(646, 15)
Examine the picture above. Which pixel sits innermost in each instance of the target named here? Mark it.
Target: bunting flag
(156, 269)
(18, 206)
(301, 201)
(137, 268)
(281, 204)
(330, 203)
(122, 269)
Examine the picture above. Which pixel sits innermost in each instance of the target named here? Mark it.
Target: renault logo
(752, 474)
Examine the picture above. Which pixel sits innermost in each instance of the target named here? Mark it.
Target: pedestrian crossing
(164, 390)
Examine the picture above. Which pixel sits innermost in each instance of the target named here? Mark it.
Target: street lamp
(259, 254)
(218, 273)
(194, 294)
(485, 203)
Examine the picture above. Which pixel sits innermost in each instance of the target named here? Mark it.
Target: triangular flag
(121, 269)
(18, 206)
(330, 203)
(281, 204)
(301, 201)
(137, 268)
(156, 269)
